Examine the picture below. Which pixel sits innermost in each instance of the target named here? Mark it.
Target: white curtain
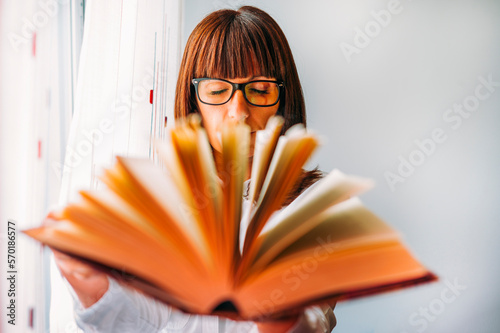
(36, 49)
(68, 106)
(124, 97)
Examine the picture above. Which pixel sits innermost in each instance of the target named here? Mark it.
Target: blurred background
(405, 92)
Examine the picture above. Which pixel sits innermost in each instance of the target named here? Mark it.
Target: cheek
(265, 113)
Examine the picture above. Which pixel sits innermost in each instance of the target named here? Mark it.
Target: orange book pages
(173, 168)
(292, 152)
(116, 225)
(312, 279)
(346, 225)
(119, 182)
(166, 212)
(348, 240)
(233, 171)
(124, 254)
(104, 210)
(303, 214)
(265, 145)
(200, 177)
(126, 185)
(212, 191)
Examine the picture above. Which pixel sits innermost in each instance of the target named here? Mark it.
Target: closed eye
(217, 92)
(260, 92)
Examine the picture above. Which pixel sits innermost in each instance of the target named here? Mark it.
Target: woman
(237, 66)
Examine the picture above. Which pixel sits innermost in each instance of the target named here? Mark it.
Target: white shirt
(125, 310)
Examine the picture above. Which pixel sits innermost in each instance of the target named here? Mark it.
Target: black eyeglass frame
(238, 86)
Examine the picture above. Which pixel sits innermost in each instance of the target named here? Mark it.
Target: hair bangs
(237, 50)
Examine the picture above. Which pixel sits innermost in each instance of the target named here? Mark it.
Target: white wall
(396, 90)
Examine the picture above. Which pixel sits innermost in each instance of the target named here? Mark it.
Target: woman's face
(236, 109)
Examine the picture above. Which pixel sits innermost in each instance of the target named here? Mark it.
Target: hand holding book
(176, 229)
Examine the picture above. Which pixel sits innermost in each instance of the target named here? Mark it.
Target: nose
(238, 106)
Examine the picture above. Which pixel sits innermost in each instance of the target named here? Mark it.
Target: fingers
(72, 267)
(88, 283)
(276, 326)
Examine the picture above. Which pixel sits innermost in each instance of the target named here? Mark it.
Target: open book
(172, 229)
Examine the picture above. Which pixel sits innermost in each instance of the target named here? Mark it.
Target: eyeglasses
(219, 91)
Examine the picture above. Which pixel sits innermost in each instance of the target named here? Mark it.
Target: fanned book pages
(172, 229)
